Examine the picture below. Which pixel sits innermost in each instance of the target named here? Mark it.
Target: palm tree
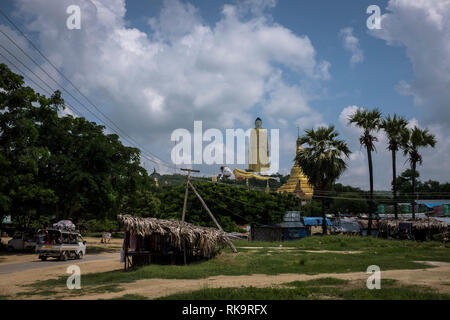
(412, 140)
(369, 121)
(394, 127)
(322, 160)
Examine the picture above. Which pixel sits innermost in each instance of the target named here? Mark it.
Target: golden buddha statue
(258, 151)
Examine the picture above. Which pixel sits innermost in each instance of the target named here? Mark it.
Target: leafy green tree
(322, 160)
(393, 127)
(350, 203)
(22, 193)
(59, 165)
(404, 184)
(368, 121)
(412, 141)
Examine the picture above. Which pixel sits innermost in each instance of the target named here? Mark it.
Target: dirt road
(13, 282)
(437, 278)
(8, 268)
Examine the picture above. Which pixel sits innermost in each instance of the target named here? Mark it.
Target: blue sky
(158, 65)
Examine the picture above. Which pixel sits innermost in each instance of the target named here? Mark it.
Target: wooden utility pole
(188, 178)
(211, 215)
(183, 215)
(189, 184)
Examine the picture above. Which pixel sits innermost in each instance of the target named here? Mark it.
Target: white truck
(60, 244)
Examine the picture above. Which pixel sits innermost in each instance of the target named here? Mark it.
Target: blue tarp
(7, 220)
(432, 205)
(315, 221)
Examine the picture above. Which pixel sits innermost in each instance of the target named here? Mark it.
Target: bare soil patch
(12, 283)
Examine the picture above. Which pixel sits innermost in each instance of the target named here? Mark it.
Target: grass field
(349, 254)
(326, 288)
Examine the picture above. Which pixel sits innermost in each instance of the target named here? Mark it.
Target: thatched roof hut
(202, 240)
(364, 224)
(417, 227)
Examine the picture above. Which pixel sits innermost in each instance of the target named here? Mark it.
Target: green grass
(251, 293)
(326, 288)
(131, 297)
(341, 242)
(386, 254)
(44, 292)
(85, 290)
(318, 282)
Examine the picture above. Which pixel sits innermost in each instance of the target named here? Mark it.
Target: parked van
(22, 241)
(60, 244)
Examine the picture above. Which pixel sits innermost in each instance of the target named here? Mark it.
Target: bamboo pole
(211, 215)
(186, 195)
(183, 215)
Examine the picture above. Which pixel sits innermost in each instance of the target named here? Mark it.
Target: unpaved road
(437, 278)
(38, 264)
(12, 283)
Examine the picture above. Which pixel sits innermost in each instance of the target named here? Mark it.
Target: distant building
(290, 229)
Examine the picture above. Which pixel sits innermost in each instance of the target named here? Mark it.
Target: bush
(439, 237)
(94, 225)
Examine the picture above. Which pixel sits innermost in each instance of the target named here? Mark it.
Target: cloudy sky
(153, 66)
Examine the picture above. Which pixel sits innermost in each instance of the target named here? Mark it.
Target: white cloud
(185, 70)
(351, 44)
(423, 28)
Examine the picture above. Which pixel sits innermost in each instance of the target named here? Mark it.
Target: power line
(148, 155)
(76, 88)
(24, 74)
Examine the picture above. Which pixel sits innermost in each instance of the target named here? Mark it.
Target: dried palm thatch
(364, 224)
(392, 226)
(202, 239)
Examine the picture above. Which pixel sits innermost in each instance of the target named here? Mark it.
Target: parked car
(22, 241)
(60, 244)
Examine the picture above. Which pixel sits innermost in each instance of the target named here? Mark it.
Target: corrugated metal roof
(292, 216)
(293, 224)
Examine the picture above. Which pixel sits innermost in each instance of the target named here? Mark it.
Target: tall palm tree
(412, 140)
(322, 160)
(394, 127)
(369, 121)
